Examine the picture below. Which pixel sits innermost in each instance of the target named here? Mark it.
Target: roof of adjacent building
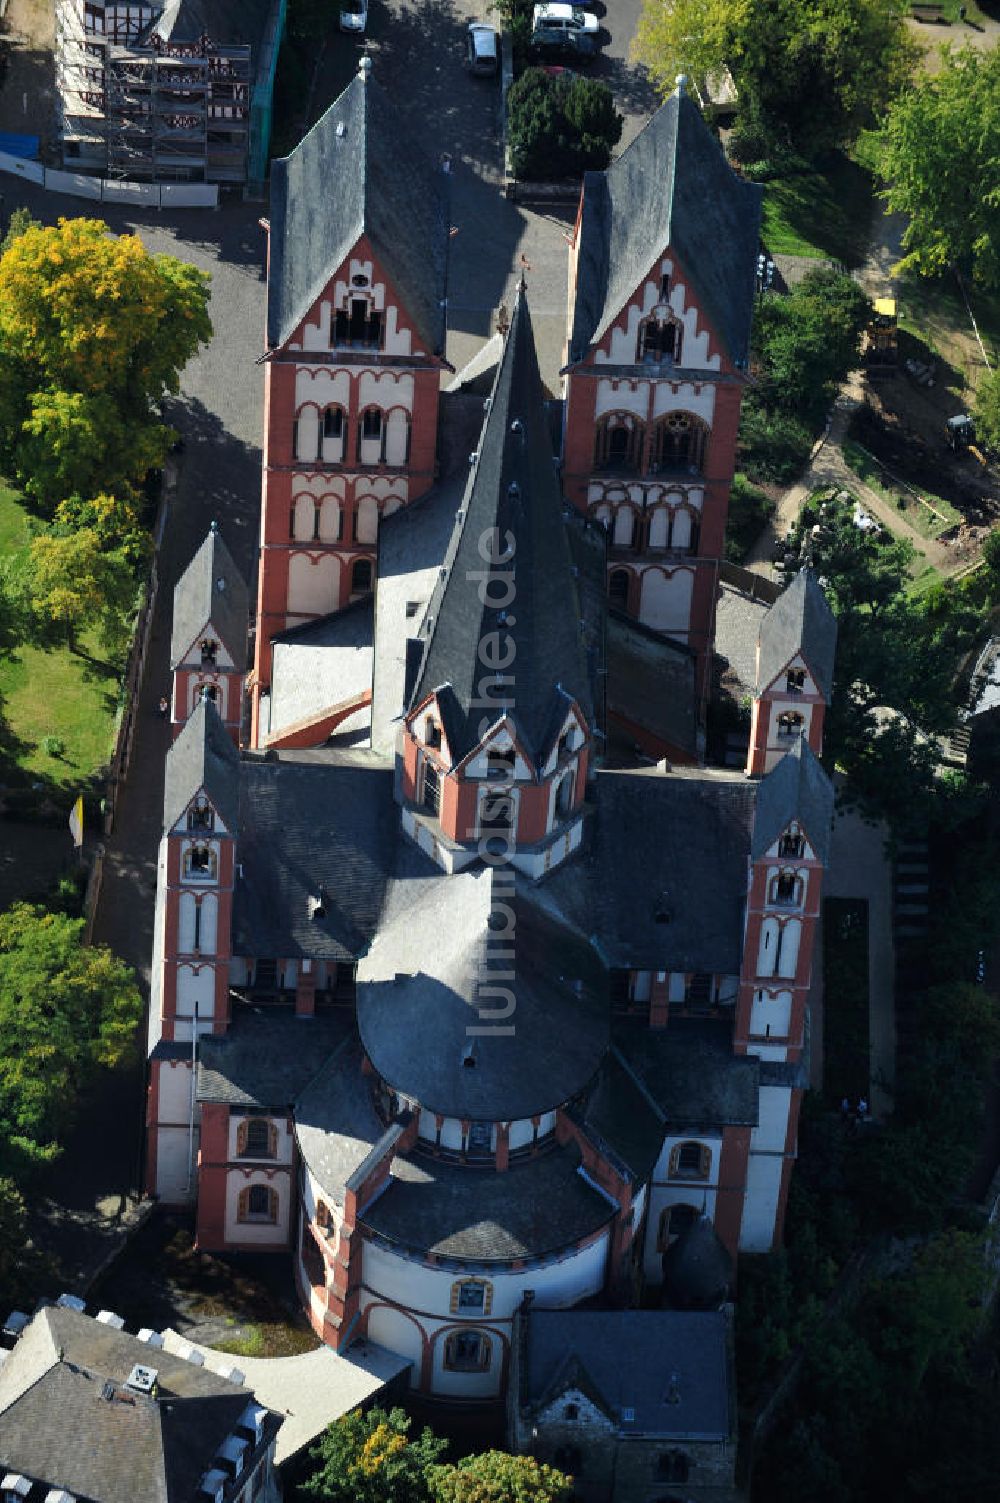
(671, 187)
(202, 757)
(697, 1269)
(796, 788)
(266, 1058)
(66, 1418)
(622, 1118)
(690, 1072)
(320, 665)
(229, 23)
(685, 838)
(534, 618)
(316, 834)
(540, 1205)
(799, 622)
(211, 590)
(336, 1124)
(651, 683)
(358, 172)
(434, 1008)
(659, 1372)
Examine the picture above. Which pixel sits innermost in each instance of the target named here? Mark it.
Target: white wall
(761, 1204)
(694, 346)
(665, 603)
(262, 1233)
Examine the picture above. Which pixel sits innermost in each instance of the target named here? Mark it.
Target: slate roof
(57, 1425)
(267, 1057)
(651, 682)
(697, 1269)
(623, 1119)
(671, 186)
(690, 1071)
(795, 788)
(685, 837)
(635, 1357)
(203, 756)
(336, 1124)
(229, 23)
(800, 620)
(321, 664)
(513, 488)
(211, 589)
(538, 1206)
(437, 982)
(312, 822)
(358, 172)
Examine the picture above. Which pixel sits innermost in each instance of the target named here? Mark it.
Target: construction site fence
(112, 190)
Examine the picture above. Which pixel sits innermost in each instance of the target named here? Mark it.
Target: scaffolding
(140, 108)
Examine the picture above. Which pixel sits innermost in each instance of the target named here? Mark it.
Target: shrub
(749, 511)
(560, 127)
(774, 446)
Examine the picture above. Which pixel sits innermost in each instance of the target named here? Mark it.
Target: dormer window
(795, 681)
(432, 733)
(565, 795)
(565, 748)
(785, 888)
(209, 649)
(200, 816)
(792, 842)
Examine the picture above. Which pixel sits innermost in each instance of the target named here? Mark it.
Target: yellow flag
(76, 822)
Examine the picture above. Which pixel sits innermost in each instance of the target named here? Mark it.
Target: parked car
(557, 29)
(353, 15)
(482, 49)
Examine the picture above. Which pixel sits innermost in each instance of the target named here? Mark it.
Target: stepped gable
(357, 172)
(796, 788)
(671, 187)
(513, 493)
(211, 590)
(799, 623)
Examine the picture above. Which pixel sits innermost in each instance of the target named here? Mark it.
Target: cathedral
(474, 987)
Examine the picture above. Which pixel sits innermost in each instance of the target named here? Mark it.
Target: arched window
(303, 519)
(785, 888)
(430, 795)
(624, 533)
(795, 680)
(690, 1160)
(467, 1352)
(305, 435)
(790, 724)
(673, 1221)
(674, 1466)
(371, 436)
(432, 732)
(357, 324)
(200, 861)
(257, 1138)
(332, 450)
(366, 520)
(496, 811)
(566, 794)
(312, 1257)
(659, 339)
(397, 437)
(679, 441)
(361, 577)
(618, 588)
(200, 815)
(258, 1203)
(618, 444)
(471, 1297)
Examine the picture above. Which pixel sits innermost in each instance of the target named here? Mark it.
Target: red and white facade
(350, 434)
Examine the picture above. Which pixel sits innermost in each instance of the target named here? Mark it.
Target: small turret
(795, 652)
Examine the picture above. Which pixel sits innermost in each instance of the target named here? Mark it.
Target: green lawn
(826, 212)
(54, 693)
(933, 310)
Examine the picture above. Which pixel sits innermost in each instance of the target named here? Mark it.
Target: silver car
(482, 49)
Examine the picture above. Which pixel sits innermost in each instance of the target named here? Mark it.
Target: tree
(69, 581)
(807, 342)
(987, 412)
(23, 1270)
(370, 1458)
(812, 72)
(66, 1010)
(496, 1477)
(560, 127)
(940, 147)
(94, 332)
(21, 219)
